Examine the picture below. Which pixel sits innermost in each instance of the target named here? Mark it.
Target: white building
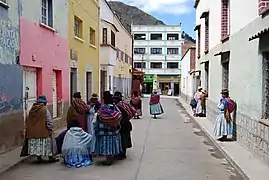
(115, 52)
(233, 52)
(189, 81)
(157, 52)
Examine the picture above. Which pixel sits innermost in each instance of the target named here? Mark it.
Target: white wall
(105, 12)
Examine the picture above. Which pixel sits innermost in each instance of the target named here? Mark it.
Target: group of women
(223, 127)
(93, 129)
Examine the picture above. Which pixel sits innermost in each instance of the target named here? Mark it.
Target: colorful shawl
(109, 115)
(154, 98)
(129, 109)
(229, 103)
(80, 106)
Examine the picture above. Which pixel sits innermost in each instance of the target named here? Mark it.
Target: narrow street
(163, 149)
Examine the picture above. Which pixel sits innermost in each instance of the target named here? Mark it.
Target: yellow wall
(88, 56)
(124, 43)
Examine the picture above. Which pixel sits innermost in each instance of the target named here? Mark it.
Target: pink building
(44, 55)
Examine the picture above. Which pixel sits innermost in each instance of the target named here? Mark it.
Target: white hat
(199, 87)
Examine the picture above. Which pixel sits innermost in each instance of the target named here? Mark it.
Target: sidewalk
(12, 158)
(248, 165)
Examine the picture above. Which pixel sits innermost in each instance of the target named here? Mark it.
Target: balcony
(108, 55)
(140, 43)
(173, 57)
(176, 43)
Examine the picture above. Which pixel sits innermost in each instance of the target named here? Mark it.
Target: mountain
(131, 14)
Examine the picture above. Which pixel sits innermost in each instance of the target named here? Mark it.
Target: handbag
(193, 103)
(24, 150)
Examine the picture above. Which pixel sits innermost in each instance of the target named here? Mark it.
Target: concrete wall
(11, 115)
(245, 75)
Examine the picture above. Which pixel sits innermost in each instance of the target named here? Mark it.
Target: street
(163, 148)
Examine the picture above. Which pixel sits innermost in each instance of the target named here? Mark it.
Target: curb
(217, 145)
(20, 160)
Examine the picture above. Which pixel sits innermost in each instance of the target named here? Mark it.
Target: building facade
(84, 45)
(232, 52)
(157, 52)
(44, 55)
(11, 97)
(189, 82)
(115, 52)
(123, 71)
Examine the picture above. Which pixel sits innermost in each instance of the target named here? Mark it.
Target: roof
(193, 47)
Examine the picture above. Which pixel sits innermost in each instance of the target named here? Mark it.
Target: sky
(171, 12)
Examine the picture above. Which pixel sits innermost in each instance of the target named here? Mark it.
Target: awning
(204, 14)
(197, 27)
(259, 34)
(221, 53)
(136, 71)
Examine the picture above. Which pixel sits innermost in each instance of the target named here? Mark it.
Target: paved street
(163, 149)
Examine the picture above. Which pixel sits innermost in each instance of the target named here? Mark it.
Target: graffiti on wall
(9, 42)
(7, 103)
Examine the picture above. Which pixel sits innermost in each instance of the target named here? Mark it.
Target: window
(156, 51)
(78, 27)
(156, 65)
(126, 58)
(266, 85)
(172, 50)
(225, 70)
(139, 36)
(199, 41)
(113, 39)
(92, 36)
(207, 76)
(225, 21)
(207, 33)
(46, 12)
(172, 36)
(156, 37)
(104, 36)
(263, 6)
(122, 55)
(172, 65)
(139, 65)
(118, 53)
(139, 50)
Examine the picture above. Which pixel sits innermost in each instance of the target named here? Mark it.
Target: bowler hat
(94, 96)
(106, 95)
(42, 99)
(117, 95)
(224, 91)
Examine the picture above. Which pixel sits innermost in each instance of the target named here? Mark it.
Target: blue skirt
(156, 109)
(108, 145)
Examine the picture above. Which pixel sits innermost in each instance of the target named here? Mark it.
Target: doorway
(73, 81)
(89, 88)
(29, 88)
(54, 95)
(103, 82)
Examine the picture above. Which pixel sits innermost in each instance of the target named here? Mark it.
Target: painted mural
(10, 71)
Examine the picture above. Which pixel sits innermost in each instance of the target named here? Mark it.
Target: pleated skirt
(108, 145)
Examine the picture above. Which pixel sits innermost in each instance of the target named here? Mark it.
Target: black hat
(107, 94)
(117, 95)
(77, 95)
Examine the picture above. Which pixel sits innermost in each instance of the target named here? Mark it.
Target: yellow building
(84, 19)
